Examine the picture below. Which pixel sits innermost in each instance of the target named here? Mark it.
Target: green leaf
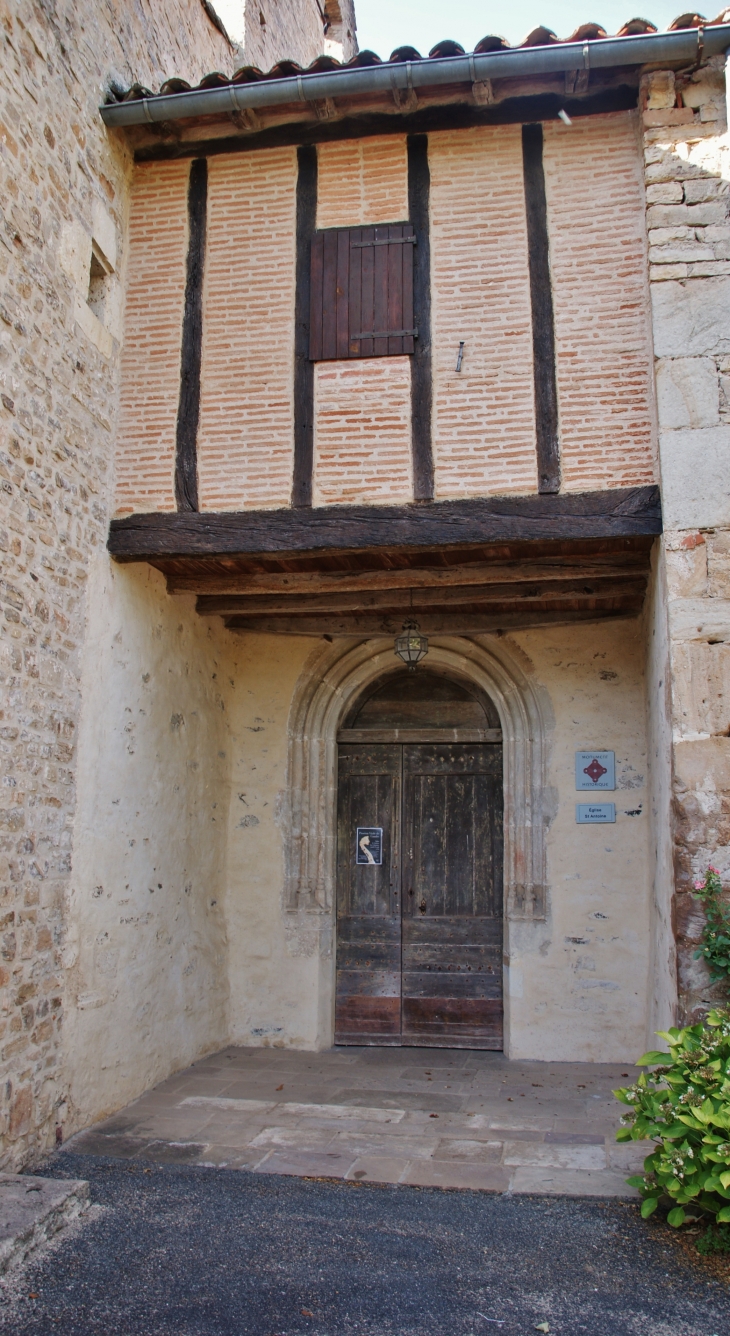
(651, 1058)
(676, 1217)
(636, 1181)
(725, 1178)
(649, 1205)
(723, 1216)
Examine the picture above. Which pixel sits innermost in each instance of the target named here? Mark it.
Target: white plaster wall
(578, 982)
(275, 992)
(146, 943)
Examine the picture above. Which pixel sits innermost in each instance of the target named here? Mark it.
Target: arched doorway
(419, 875)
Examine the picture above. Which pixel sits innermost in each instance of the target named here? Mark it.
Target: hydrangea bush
(683, 1104)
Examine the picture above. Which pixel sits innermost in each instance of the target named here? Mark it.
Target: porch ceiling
(465, 566)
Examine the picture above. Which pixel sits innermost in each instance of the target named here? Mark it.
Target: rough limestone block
(701, 687)
(688, 393)
(686, 567)
(718, 565)
(703, 765)
(34, 1209)
(699, 619)
(665, 192)
(660, 89)
(691, 319)
(695, 472)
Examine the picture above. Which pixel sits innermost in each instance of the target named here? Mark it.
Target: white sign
(595, 770)
(594, 814)
(369, 845)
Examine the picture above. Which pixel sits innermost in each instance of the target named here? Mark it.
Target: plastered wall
(577, 983)
(146, 948)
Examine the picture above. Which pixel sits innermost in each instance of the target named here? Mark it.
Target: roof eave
(683, 46)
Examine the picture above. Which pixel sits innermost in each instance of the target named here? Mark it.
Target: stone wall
(269, 30)
(687, 156)
(64, 194)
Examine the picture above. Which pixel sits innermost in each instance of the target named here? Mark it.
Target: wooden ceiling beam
(372, 625)
(570, 592)
(563, 567)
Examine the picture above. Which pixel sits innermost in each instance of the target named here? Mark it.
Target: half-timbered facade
(438, 341)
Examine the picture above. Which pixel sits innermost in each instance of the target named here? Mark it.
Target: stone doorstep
(32, 1210)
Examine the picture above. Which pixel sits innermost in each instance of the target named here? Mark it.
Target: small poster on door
(369, 845)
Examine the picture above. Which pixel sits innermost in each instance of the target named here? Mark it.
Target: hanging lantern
(411, 646)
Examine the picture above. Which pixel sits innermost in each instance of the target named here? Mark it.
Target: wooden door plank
(453, 888)
(380, 291)
(316, 297)
(343, 293)
(407, 289)
(355, 303)
(368, 981)
(395, 290)
(329, 295)
(368, 291)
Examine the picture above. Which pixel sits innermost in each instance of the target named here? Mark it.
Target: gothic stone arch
(332, 678)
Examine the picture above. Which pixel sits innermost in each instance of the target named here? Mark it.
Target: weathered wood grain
(612, 513)
(517, 102)
(304, 318)
(464, 622)
(541, 300)
(419, 192)
(547, 591)
(191, 349)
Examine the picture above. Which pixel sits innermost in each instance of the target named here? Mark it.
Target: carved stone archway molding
(331, 680)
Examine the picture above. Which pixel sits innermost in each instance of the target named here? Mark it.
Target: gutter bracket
(577, 80)
(482, 90)
(409, 102)
(245, 119)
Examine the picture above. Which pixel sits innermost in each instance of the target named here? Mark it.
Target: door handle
(422, 906)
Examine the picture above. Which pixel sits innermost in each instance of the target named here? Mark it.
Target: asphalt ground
(190, 1251)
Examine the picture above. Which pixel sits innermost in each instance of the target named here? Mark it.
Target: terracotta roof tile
(541, 36)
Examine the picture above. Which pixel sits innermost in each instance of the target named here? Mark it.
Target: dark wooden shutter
(362, 292)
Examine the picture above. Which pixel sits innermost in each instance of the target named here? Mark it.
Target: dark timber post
(188, 408)
(419, 185)
(303, 368)
(541, 297)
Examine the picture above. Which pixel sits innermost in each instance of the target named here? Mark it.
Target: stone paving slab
(32, 1210)
(437, 1119)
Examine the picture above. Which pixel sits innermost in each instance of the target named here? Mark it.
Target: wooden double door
(419, 895)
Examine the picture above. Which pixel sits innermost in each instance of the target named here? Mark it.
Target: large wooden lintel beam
(568, 593)
(564, 516)
(457, 623)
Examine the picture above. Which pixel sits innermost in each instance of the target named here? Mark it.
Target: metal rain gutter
(689, 44)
